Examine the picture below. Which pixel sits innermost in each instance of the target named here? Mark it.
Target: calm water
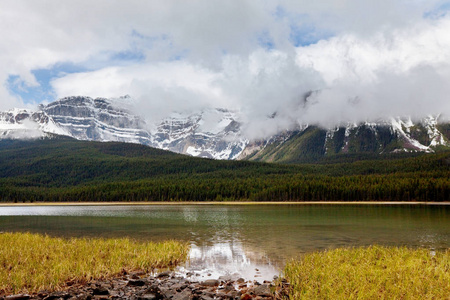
(239, 239)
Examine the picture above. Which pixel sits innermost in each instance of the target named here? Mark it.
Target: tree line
(72, 171)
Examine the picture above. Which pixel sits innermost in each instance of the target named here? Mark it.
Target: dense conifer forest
(68, 170)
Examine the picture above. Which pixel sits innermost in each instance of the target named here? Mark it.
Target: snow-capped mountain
(311, 142)
(212, 133)
(23, 123)
(216, 133)
(85, 118)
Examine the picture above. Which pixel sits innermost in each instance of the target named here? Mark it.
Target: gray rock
(58, 295)
(168, 292)
(228, 288)
(210, 282)
(136, 283)
(163, 274)
(221, 295)
(148, 297)
(155, 290)
(179, 286)
(225, 278)
(184, 295)
(263, 290)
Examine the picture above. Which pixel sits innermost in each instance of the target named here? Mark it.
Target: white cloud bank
(373, 59)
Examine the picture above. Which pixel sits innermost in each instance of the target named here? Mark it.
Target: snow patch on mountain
(211, 133)
(405, 128)
(437, 138)
(24, 124)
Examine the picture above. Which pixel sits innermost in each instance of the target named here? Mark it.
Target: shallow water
(252, 241)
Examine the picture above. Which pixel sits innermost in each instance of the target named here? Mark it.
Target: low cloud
(277, 64)
(343, 79)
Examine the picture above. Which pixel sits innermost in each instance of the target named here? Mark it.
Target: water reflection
(190, 214)
(230, 259)
(248, 240)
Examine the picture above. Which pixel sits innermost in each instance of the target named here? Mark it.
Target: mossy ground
(33, 262)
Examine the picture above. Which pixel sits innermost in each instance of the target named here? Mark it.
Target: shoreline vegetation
(30, 263)
(374, 272)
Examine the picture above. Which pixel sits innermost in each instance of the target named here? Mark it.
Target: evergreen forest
(67, 170)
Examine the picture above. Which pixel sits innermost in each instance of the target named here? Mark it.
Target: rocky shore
(165, 285)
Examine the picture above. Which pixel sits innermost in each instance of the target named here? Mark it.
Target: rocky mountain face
(216, 133)
(211, 133)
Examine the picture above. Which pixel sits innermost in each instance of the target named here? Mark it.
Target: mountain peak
(216, 132)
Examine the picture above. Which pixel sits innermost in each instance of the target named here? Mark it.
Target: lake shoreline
(164, 285)
(222, 203)
(371, 272)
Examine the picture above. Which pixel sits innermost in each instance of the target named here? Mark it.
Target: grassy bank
(32, 262)
(370, 273)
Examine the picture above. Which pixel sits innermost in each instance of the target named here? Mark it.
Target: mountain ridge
(218, 133)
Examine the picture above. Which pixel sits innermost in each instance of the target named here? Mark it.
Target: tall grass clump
(33, 262)
(370, 273)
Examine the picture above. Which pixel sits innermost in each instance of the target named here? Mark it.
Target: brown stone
(211, 282)
(18, 297)
(136, 283)
(263, 290)
(163, 274)
(246, 297)
(184, 295)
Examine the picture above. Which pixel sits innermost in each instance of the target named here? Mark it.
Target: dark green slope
(301, 146)
(70, 170)
(66, 161)
(315, 144)
(445, 129)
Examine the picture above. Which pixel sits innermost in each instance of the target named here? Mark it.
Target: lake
(252, 241)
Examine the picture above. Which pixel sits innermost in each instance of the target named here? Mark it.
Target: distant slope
(313, 144)
(65, 161)
(299, 146)
(63, 169)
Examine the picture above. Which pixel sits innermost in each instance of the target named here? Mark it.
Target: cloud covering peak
(278, 63)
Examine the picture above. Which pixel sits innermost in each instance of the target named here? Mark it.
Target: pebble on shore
(165, 285)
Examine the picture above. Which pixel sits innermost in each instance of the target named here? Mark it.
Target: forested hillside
(69, 170)
(314, 144)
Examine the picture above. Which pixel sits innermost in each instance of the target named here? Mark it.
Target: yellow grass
(32, 262)
(370, 273)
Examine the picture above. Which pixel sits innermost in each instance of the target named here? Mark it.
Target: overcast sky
(364, 60)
